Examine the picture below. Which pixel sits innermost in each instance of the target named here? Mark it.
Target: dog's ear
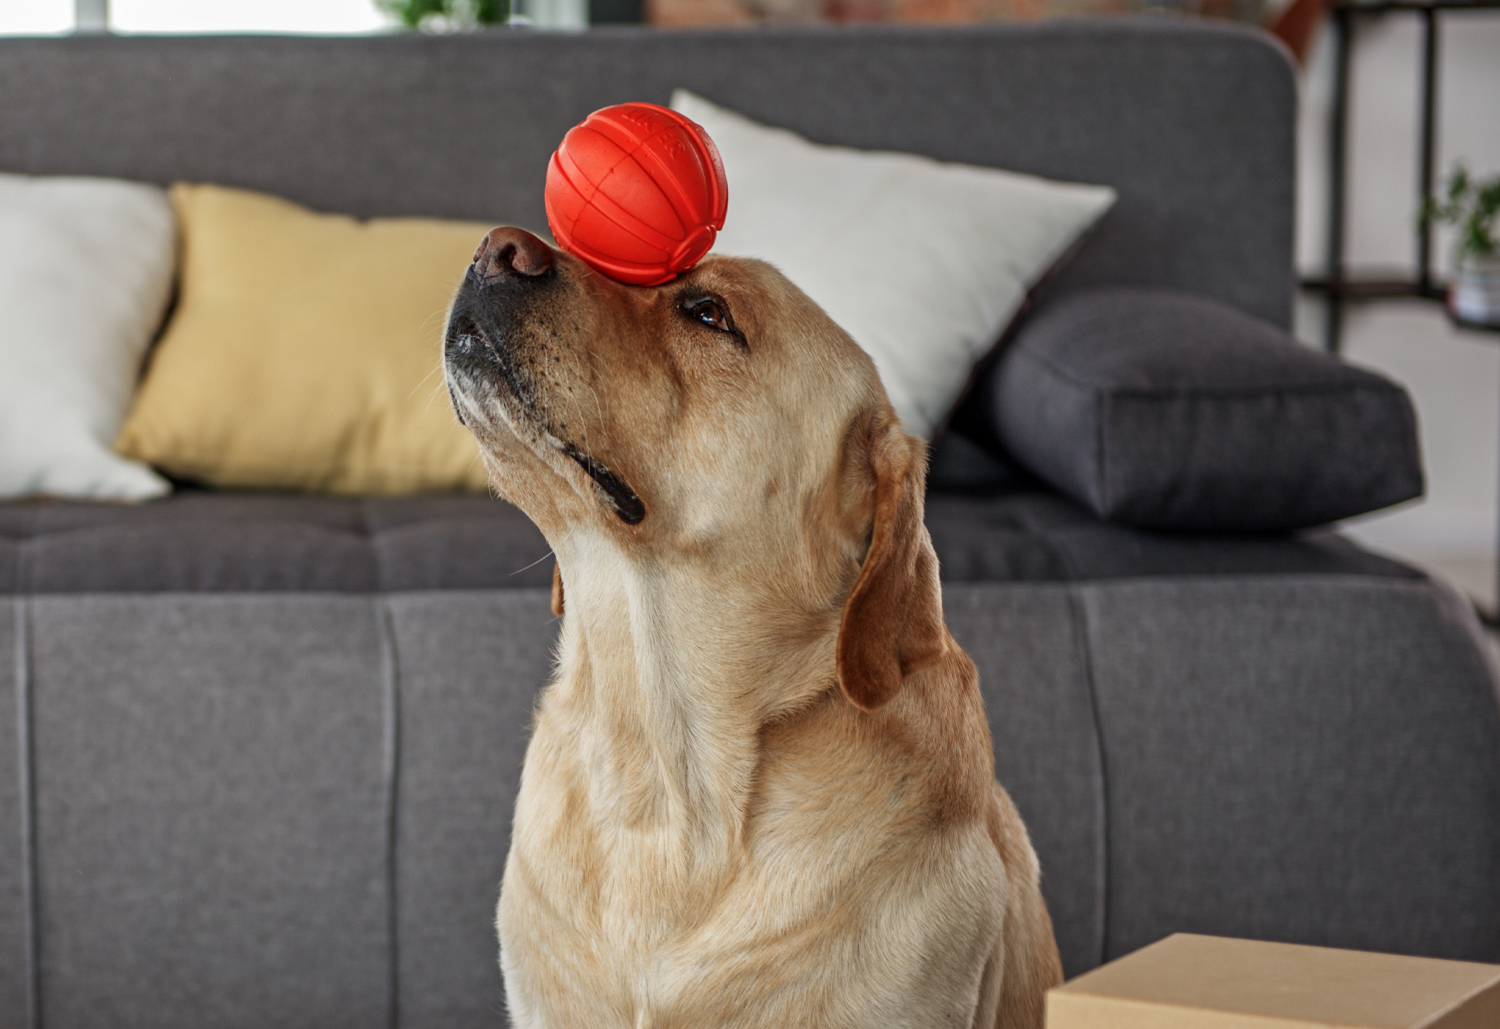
(557, 596)
(893, 619)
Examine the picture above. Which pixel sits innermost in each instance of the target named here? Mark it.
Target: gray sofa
(259, 765)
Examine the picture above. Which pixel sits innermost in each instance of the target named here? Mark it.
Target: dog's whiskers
(533, 564)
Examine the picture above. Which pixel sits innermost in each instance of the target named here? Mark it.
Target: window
(245, 16)
(19, 17)
(36, 16)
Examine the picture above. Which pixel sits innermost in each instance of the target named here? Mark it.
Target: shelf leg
(1429, 137)
(1334, 255)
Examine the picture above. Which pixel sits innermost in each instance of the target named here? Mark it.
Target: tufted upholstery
(197, 541)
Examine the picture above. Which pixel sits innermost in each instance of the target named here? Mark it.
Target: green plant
(454, 13)
(1473, 205)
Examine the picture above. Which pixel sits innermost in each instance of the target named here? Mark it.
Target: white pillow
(923, 263)
(85, 272)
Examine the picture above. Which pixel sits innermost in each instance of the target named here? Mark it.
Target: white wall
(1453, 374)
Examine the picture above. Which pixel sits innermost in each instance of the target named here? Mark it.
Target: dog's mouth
(469, 348)
(617, 493)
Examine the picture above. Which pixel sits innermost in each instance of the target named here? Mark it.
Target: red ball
(637, 192)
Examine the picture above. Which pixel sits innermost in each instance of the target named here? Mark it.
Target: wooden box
(1208, 982)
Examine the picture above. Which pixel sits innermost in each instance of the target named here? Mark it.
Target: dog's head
(721, 420)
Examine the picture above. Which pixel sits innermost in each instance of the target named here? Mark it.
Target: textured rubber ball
(637, 192)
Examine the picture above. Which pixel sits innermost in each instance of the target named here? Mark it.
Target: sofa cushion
(85, 272)
(1169, 411)
(210, 809)
(923, 262)
(199, 541)
(957, 464)
(305, 351)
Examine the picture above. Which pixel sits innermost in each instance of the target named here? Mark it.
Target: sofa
(259, 750)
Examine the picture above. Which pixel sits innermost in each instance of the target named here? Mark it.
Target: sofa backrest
(1193, 124)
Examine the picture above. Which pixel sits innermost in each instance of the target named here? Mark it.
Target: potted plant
(446, 15)
(1473, 206)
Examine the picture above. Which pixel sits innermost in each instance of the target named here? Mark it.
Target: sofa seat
(199, 541)
(271, 743)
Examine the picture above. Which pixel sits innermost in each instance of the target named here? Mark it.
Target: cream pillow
(305, 351)
(923, 263)
(85, 273)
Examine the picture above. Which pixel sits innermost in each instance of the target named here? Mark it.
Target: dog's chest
(626, 905)
(643, 905)
(768, 950)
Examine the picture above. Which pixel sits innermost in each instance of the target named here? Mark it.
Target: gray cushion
(1175, 412)
(211, 809)
(1299, 759)
(957, 464)
(15, 977)
(469, 664)
(198, 541)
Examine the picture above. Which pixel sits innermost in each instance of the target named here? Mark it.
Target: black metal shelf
(1355, 288)
(1336, 285)
(1479, 326)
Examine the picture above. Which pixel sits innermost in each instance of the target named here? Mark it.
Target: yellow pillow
(305, 351)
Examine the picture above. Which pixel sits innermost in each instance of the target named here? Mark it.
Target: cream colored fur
(723, 819)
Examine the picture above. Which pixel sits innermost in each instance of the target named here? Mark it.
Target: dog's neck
(668, 675)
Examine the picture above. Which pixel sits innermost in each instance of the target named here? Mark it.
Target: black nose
(508, 251)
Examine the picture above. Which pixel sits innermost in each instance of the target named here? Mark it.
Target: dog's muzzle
(505, 281)
(508, 266)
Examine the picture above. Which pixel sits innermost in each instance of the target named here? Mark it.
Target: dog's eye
(710, 313)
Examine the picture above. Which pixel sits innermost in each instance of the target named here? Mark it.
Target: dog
(760, 787)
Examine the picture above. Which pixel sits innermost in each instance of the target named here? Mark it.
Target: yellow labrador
(760, 790)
